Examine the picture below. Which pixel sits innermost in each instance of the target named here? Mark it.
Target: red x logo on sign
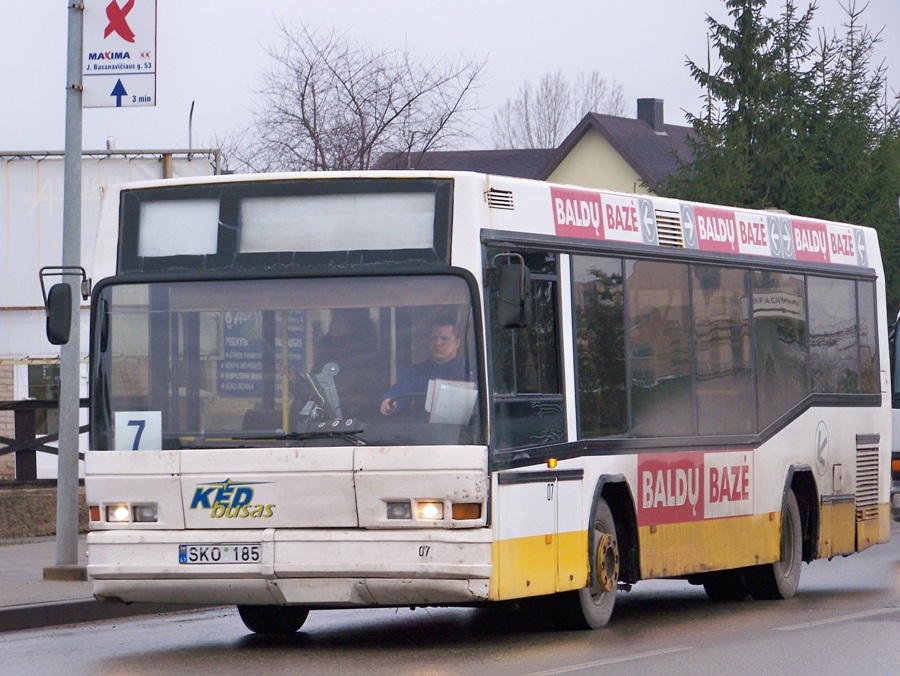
(117, 22)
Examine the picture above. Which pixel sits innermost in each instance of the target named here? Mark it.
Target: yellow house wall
(594, 163)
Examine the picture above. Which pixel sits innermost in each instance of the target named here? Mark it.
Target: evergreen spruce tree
(803, 127)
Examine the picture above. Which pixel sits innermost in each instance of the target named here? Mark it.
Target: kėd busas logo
(230, 500)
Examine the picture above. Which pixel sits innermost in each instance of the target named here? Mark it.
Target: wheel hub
(608, 563)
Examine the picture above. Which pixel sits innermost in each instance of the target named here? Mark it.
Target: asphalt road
(845, 619)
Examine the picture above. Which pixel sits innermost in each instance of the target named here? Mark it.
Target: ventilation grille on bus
(499, 199)
(668, 229)
(866, 483)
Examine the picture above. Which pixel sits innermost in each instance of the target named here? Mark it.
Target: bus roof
(578, 213)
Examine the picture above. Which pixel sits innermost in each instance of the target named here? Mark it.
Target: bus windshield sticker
(138, 430)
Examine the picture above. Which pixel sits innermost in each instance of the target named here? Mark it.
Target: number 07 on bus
(341, 390)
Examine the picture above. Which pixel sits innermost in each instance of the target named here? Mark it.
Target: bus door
(541, 539)
(538, 553)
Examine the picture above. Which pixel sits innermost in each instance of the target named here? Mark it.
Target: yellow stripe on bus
(837, 528)
(544, 564)
(572, 565)
(539, 564)
(875, 526)
(715, 544)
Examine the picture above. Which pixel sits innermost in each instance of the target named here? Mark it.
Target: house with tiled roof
(603, 151)
(619, 153)
(527, 163)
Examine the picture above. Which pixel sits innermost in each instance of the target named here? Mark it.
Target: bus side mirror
(59, 313)
(58, 301)
(514, 308)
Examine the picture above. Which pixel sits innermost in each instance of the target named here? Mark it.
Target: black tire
(592, 606)
(725, 585)
(273, 619)
(780, 580)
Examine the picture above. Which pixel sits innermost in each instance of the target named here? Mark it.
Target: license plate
(224, 553)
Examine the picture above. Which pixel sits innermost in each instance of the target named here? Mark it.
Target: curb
(41, 615)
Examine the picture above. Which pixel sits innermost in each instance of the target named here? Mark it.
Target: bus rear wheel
(273, 619)
(780, 580)
(593, 605)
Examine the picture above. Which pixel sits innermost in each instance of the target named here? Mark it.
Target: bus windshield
(377, 360)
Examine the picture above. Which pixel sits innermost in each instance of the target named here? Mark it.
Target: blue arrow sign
(119, 91)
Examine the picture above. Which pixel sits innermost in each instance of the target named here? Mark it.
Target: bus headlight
(145, 513)
(429, 510)
(399, 510)
(125, 513)
(433, 510)
(118, 513)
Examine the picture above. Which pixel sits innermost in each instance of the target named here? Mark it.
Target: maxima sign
(119, 66)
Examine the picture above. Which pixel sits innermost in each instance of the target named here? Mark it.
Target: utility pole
(67, 567)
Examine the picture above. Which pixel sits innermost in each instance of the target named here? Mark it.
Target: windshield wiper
(349, 429)
(343, 428)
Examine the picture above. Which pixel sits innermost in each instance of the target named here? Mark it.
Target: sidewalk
(28, 601)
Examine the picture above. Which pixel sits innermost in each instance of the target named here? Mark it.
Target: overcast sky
(213, 52)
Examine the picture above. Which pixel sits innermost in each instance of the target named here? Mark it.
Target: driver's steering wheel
(407, 411)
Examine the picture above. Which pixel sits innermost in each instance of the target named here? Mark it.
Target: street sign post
(119, 53)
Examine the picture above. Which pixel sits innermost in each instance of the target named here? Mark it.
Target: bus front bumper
(317, 568)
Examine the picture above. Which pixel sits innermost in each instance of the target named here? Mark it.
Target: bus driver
(444, 363)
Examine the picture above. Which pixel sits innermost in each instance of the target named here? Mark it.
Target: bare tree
(593, 94)
(541, 117)
(328, 103)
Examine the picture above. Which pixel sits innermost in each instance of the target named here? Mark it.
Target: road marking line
(611, 660)
(842, 618)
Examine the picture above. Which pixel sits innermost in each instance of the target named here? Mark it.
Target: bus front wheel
(273, 619)
(780, 580)
(596, 601)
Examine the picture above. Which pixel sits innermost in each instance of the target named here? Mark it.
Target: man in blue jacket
(444, 363)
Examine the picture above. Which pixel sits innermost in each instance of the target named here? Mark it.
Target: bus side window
(528, 402)
(779, 318)
(724, 390)
(600, 374)
(658, 324)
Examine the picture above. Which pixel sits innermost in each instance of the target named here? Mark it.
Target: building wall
(7, 422)
(594, 163)
(31, 227)
(31, 223)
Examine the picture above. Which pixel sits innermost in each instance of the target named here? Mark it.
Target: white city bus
(647, 388)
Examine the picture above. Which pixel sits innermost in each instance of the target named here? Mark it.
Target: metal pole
(191, 129)
(70, 353)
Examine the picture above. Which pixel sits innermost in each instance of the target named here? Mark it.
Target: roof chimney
(651, 112)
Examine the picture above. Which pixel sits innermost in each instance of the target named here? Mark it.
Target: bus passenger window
(833, 349)
(658, 309)
(868, 338)
(599, 346)
(779, 319)
(724, 381)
